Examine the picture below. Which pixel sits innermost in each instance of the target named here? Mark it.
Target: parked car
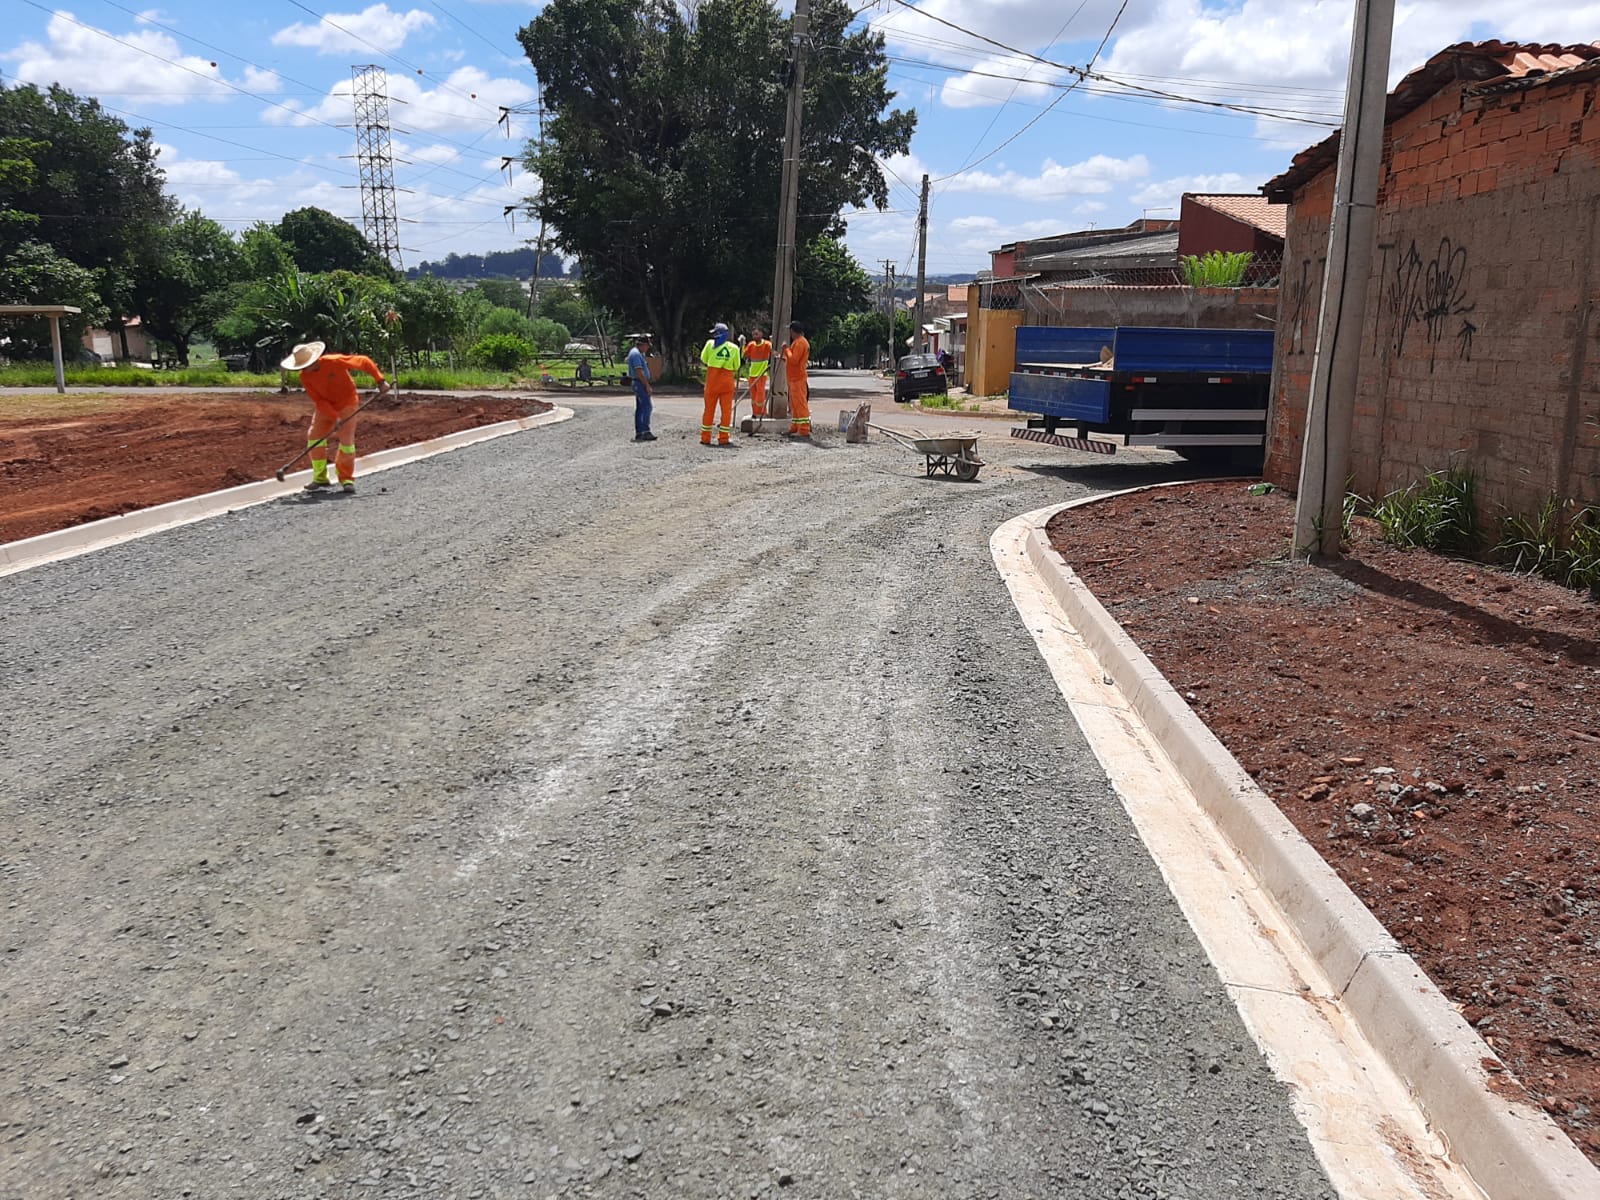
(918, 375)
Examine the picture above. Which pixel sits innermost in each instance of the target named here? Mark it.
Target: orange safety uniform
(327, 381)
(795, 357)
(759, 355)
(722, 377)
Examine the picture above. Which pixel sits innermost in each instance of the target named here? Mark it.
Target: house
(1480, 321)
(1231, 222)
(131, 343)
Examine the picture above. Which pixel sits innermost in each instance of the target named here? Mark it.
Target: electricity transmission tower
(374, 157)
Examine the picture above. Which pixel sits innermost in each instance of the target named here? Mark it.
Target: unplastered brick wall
(1482, 339)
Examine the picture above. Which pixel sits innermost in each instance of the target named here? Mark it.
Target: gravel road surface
(566, 817)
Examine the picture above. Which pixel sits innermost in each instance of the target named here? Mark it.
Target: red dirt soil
(67, 460)
(1430, 725)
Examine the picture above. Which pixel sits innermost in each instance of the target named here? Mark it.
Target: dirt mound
(118, 454)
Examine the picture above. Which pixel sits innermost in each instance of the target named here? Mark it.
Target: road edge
(1511, 1149)
(36, 551)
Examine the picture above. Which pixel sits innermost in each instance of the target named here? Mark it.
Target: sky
(251, 104)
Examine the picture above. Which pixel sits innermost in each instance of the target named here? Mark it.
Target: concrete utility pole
(538, 251)
(788, 202)
(1330, 407)
(888, 303)
(922, 265)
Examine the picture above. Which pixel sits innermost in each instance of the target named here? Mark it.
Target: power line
(191, 70)
(1082, 73)
(1017, 83)
(332, 24)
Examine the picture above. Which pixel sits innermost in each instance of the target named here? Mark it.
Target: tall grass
(1437, 514)
(1538, 545)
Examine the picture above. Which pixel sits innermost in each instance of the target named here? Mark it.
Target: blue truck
(1200, 392)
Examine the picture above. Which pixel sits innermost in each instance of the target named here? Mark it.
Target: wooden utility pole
(788, 202)
(922, 265)
(1335, 368)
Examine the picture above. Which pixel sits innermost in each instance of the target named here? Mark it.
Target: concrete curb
(95, 535)
(1510, 1148)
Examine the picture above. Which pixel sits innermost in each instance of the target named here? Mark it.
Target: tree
(550, 337)
(431, 314)
(828, 283)
(265, 254)
(661, 156)
(322, 242)
(497, 264)
(502, 293)
(568, 306)
(91, 183)
(34, 273)
(176, 292)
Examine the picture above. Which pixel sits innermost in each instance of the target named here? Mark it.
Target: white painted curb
(95, 535)
(1511, 1149)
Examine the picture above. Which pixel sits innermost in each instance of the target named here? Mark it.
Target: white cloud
(185, 174)
(1288, 55)
(431, 154)
(98, 62)
(1095, 175)
(466, 99)
(343, 33)
(1167, 193)
(999, 80)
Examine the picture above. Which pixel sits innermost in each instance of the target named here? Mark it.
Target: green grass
(1437, 514)
(44, 375)
(436, 379)
(941, 400)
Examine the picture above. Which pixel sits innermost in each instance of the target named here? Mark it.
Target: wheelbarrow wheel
(967, 471)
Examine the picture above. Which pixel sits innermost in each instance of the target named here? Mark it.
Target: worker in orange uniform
(796, 354)
(721, 357)
(758, 358)
(326, 379)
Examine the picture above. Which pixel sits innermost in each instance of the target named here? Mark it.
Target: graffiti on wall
(1428, 294)
(1300, 306)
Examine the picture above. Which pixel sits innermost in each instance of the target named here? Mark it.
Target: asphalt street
(569, 817)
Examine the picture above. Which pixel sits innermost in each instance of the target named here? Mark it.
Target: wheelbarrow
(956, 456)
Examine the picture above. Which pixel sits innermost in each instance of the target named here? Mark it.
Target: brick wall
(1481, 330)
(1190, 308)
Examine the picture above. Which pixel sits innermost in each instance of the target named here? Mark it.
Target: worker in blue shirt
(639, 376)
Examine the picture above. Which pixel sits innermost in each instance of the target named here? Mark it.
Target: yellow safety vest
(724, 357)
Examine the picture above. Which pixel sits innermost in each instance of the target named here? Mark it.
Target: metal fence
(1120, 296)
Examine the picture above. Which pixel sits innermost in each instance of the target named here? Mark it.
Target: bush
(1438, 514)
(1219, 268)
(501, 352)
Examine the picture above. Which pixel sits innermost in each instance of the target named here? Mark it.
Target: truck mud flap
(1070, 443)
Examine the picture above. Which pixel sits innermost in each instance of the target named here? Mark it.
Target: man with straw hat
(326, 379)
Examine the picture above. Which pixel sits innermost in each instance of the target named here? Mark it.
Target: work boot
(646, 436)
(318, 485)
(347, 486)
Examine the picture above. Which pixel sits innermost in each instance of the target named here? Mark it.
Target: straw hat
(304, 355)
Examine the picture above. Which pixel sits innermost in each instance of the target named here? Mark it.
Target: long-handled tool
(378, 395)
